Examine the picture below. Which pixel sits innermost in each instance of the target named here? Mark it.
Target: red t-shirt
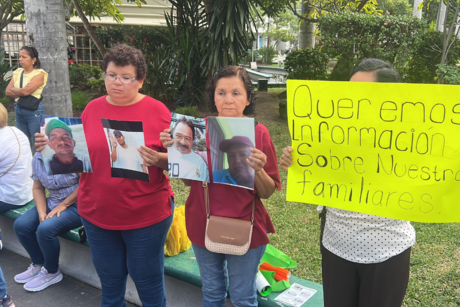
(231, 201)
(118, 203)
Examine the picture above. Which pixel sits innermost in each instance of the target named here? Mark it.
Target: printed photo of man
(125, 155)
(64, 160)
(182, 160)
(239, 172)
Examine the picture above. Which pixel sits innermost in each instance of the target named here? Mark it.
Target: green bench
(185, 268)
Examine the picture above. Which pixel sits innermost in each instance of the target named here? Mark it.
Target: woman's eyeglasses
(113, 78)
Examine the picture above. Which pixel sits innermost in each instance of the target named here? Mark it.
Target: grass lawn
(435, 260)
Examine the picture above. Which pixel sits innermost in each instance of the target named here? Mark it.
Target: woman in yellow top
(33, 81)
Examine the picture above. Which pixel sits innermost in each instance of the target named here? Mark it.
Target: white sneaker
(28, 275)
(43, 280)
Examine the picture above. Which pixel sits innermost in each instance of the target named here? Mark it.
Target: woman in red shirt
(230, 93)
(126, 220)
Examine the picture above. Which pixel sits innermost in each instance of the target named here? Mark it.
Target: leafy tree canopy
(97, 9)
(10, 9)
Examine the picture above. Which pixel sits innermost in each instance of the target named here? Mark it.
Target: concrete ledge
(75, 261)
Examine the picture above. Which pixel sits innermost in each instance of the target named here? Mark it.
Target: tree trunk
(46, 31)
(89, 28)
(307, 30)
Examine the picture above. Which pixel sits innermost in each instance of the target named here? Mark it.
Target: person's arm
(31, 87)
(144, 168)
(153, 158)
(66, 203)
(264, 184)
(9, 92)
(113, 155)
(38, 191)
(187, 182)
(286, 158)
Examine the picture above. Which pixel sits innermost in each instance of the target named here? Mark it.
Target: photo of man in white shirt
(125, 155)
(183, 162)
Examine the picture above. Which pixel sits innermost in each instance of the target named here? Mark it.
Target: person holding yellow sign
(365, 258)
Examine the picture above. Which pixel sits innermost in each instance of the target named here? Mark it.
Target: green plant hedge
(310, 64)
(350, 37)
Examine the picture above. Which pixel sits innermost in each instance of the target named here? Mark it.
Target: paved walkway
(67, 293)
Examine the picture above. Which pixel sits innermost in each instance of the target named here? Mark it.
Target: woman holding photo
(230, 94)
(365, 258)
(126, 220)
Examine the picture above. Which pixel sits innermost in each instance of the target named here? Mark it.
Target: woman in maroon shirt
(230, 93)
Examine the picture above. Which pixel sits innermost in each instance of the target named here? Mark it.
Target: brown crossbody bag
(225, 235)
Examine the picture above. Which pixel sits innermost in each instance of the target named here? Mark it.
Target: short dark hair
(186, 121)
(33, 53)
(383, 70)
(124, 55)
(231, 71)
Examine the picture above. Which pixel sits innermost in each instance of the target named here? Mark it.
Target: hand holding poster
(231, 140)
(187, 156)
(66, 151)
(384, 149)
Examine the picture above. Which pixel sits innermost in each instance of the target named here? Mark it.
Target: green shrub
(190, 111)
(80, 76)
(448, 74)
(272, 53)
(98, 86)
(80, 99)
(310, 64)
(422, 66)
(349, 37)
(5, 100)
(4, 69)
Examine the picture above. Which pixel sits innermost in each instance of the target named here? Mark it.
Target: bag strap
(22, 79)
(21, 84)
(17, 158)
(206, 200)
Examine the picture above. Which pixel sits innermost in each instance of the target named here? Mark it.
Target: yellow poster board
(391, 150)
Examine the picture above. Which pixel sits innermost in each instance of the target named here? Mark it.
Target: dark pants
(28, 121)
(40, 239)
(6, 206)
(137, 252)
(349, 284)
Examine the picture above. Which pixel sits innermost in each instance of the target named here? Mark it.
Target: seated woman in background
(38, 228)
(15, 166)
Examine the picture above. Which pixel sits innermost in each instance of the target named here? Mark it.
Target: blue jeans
(28, 121)
(6, 206)
(40, 239)
(2, 285)
(137, 252)
(241, 272)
